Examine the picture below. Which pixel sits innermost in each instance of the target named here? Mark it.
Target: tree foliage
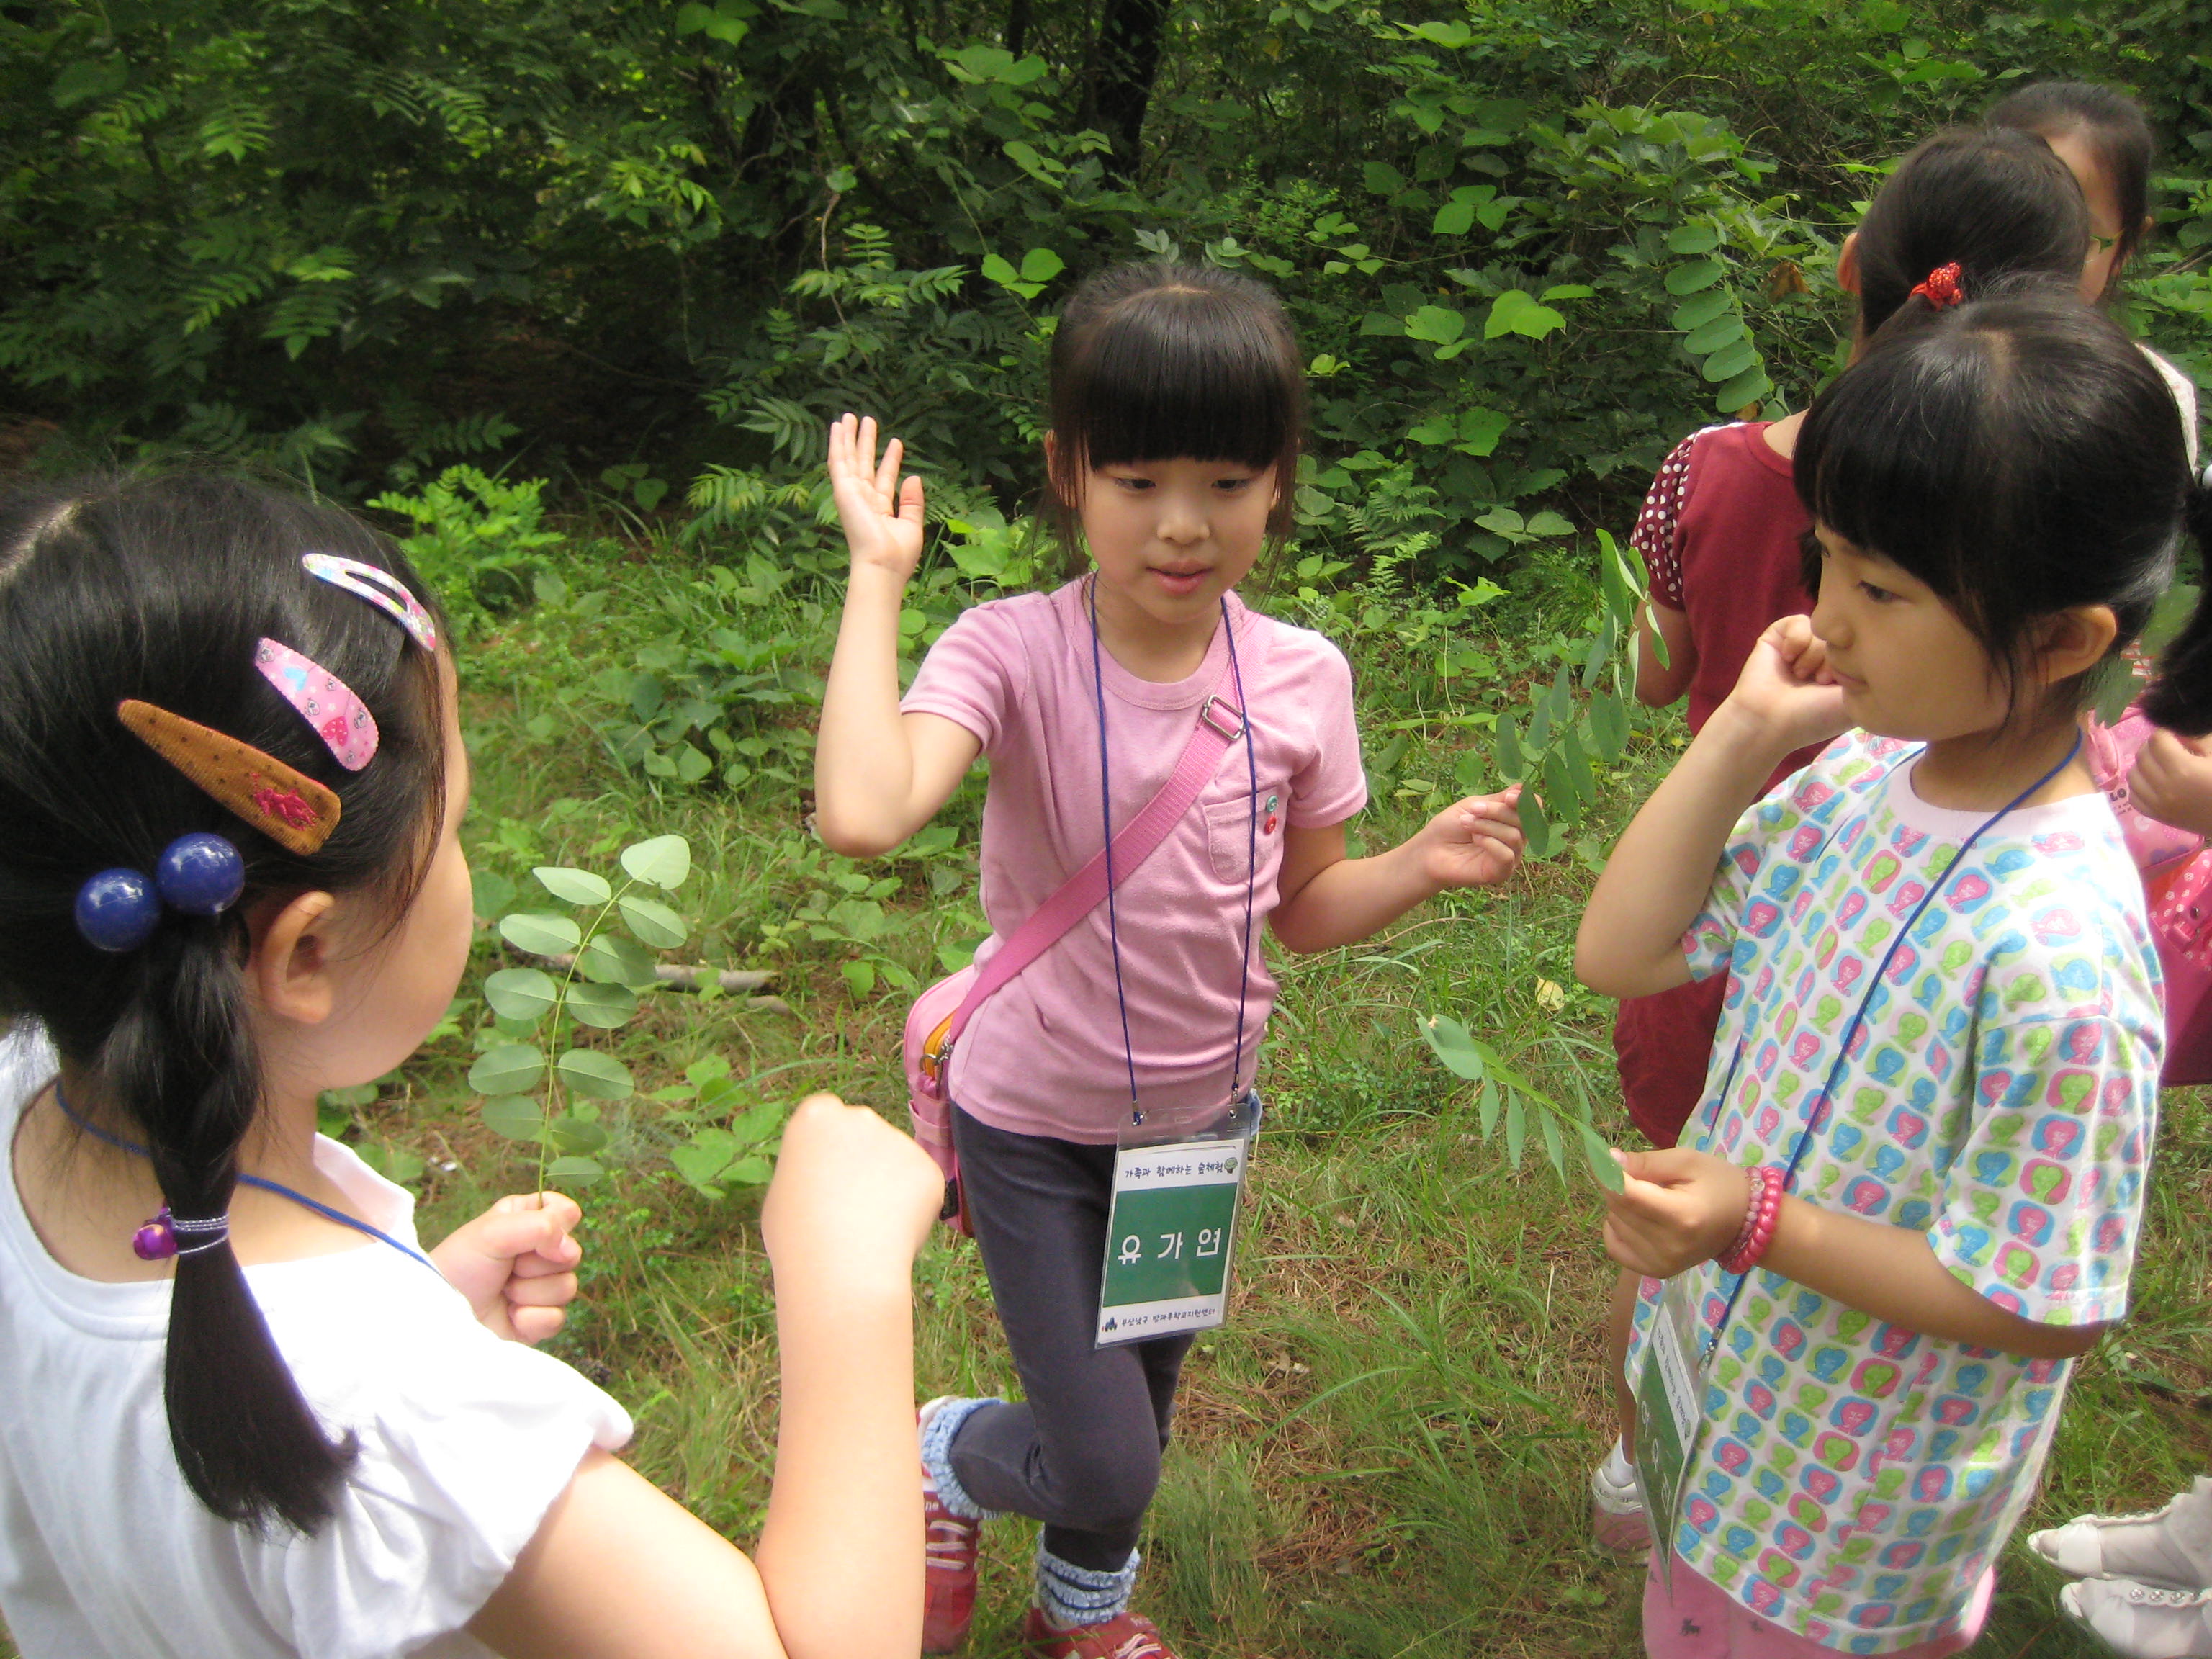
(1528, 242)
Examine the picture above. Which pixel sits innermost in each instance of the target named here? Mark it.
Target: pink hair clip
(381, 588)
(324, 701)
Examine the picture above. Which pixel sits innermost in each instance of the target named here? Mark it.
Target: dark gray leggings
(1081, 1453)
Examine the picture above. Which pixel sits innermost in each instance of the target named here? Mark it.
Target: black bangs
(1177, 374)
(2019, 456)
(1161, 363)
(1901, 470)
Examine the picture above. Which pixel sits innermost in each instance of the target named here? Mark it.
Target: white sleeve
(464, 1443)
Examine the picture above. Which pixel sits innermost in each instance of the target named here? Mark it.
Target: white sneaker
(2171, 1548)
(1618, 1519)
(2142, 1621)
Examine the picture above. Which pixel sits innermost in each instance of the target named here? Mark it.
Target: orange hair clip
(289, 807)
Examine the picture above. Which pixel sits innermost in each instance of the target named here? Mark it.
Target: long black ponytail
(158, 589)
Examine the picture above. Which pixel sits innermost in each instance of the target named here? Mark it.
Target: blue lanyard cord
(1818, 1102)
(1251, 863)
(301, 1198)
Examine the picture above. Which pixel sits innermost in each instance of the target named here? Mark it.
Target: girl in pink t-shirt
(1178, 405)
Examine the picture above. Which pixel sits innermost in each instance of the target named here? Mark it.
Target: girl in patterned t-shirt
(1719, 534)
(1912, 1195)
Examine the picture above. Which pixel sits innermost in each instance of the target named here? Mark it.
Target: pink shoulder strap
(1220, 723)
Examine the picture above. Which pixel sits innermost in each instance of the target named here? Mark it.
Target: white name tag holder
(1171, 1230)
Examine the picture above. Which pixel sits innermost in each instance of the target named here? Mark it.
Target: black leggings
(1081, 1453)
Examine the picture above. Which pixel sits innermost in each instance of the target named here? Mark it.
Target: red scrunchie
(1943, 289)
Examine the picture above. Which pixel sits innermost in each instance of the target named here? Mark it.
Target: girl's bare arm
(619, 1571)
(1659, 684)
(1678, 1208)
(878, 775)
(1326, 900)
(1660, 873)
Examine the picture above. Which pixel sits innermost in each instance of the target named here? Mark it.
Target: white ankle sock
(1618, 1469)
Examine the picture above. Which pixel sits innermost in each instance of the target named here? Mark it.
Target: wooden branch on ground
(683, 978)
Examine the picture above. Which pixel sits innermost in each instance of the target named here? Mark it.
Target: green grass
(1384, 1455)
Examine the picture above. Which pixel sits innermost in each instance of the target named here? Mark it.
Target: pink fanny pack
(942, 1011)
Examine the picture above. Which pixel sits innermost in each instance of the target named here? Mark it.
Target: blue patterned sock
(937, 1428)
(1072, 1596)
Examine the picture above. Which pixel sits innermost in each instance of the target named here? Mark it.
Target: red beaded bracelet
(1761, 1212)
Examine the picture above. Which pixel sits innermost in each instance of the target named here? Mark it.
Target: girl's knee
(1110, 1481)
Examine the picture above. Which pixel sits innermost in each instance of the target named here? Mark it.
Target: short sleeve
(1655, 536)
(463, 1446)
(1332, 786)
(1710, 942)
(974, 675)
(2042, 1208)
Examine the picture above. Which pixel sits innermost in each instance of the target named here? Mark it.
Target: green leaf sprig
(604, 971)
(1503, 1093)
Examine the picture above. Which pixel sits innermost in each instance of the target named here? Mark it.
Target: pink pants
(1699, 1621)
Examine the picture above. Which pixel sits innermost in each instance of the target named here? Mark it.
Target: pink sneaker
(1618, 1520)
(950, 1546)
(1125, 1636)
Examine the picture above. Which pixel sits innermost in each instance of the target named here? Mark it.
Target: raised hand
(881, 515)
(1475, 842)
(516, 1263)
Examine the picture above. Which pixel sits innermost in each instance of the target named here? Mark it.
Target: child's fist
(516, 1263)
(1475, 842)
(2172, 781)
(1786, 691)
(1676, 1209)
(852, 1198)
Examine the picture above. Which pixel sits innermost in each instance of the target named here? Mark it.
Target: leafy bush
(1526, 246)
(477, 539)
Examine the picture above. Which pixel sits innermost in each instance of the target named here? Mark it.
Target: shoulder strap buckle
(1224, 716)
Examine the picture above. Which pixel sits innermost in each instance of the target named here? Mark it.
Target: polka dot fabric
(2001, 1098)
(1654, 536)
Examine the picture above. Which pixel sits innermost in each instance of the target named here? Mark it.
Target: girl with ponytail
(1912, 1194)
(241, 1410)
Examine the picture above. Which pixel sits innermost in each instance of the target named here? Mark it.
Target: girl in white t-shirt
(1913, 1194)
(2105, 141)
(1177, 403)
(241, 1412)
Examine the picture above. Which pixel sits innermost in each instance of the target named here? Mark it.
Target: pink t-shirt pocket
(1229, 842)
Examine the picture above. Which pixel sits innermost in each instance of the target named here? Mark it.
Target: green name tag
(1670, 1424)
(1170, 1237)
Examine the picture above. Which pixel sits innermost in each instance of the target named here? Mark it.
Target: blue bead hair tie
(198, 875)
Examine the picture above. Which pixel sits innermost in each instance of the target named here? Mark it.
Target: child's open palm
(882, 515)
(516, 1263)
